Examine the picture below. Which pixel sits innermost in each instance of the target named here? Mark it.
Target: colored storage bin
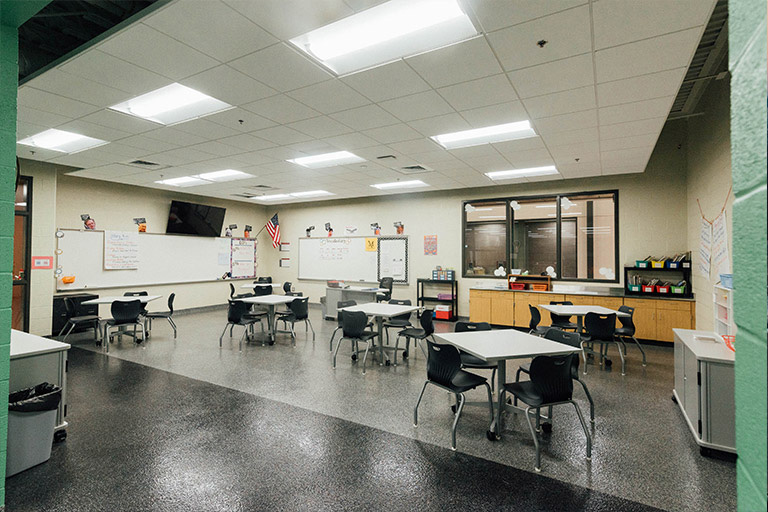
(539, 287)
(634, 288)
(647, 289)
(673, 264)
(727, 281)
(641, 263)
(443, 312)
(678, 290)
(662, 289)
(657, 264)
(517, 286)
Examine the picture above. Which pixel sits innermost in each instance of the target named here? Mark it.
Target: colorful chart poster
(243, 257)
(121, 250)
(720, 256)
(430, 245)
(705, 247)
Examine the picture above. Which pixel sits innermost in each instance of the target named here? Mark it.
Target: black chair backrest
(343, 304)
(126, 311)
(567, 338)
(472, 326)
(600, 327)
(401, 302)
(353, 323)
(287, 287)
(170, 302)
(560, 319)
(69, 304)
(264, 279)
(299, 308)
(535, 317)
(425, 319)
(551, 377)
(231, 290)
(387, 282)
(138, 294)
(626, 321)
(260, 291)
(236, 310)
(443, 363)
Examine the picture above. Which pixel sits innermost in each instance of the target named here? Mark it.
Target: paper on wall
(705, 247)
(121, 250)
(720, 255)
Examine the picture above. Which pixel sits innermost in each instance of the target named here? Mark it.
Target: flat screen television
(195, 219)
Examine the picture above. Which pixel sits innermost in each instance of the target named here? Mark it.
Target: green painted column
(747, 51)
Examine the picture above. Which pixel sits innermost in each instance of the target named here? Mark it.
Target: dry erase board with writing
(162, 259)
(350, 258)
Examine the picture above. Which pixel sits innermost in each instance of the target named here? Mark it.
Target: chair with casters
(166, 314)
(75, 320)
(533, 325)
(238, 314)
(567, 338)
(400, 321)
(124, 313)
(600, 330)
(261, 291)
(416, 334)
(353, 324)
(287, 287)
(235, 296)
(340, 304)
(265, 279)
(551, 384)
(138, 294)
(386, 283)
(298, 311)
(467, 359)
(444, 371)
(627, 329)
(561, 321)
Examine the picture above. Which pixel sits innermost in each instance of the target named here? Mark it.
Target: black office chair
(533, 325)
(235, 296)
(138, 294)
(266, 279)
(353, 324)
(386, 283)
(627, 329)
(298, 311)
(600, 329)
(75, 320)
(562, 321)
(444, 371)
(551, 384)
(166, 314)
(427, 329)
(340, 304)
(287, 287)
(238, 314)
(261, 291)
(467, 359)
(567, 338)
(400, 321)
(124, 313)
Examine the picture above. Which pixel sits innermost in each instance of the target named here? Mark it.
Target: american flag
(273, 227)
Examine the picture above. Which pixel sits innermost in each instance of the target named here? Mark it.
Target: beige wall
(709, 179)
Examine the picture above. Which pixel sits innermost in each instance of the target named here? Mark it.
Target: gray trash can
(31, 421)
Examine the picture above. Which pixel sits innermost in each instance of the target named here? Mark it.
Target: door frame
(26, 282)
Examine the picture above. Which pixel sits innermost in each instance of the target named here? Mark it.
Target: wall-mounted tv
(195, 219)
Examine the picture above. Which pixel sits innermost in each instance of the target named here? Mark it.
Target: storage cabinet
(480, 305)
(644, 317)
(60, 316)
(503, 309)
(668, 319)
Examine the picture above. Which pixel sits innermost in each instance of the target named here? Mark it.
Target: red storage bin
(647, 289)
(662, 289)
(517, 286)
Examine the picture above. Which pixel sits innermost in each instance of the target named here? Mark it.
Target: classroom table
(270, 301)
(251, 286)
(382, 311)
(123, 298)
(580, 312)
(334, 295)
(498, 346)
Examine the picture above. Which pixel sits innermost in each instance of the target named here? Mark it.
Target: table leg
(272, 323)
(579, 324)
(380, 329)
(497, 426)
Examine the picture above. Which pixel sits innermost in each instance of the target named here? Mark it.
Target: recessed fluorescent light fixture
(225, 175)
(311, 193)
(59, 140)
(522, 173)
(171, 104)
(400, 184)
(272, 197)
(184, 181)
(390, 31)
(327, 160)
(486, 135)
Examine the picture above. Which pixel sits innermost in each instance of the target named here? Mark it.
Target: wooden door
(644, 317)
(479, 306)
(668, 319)
(503, 308)
(522, 313)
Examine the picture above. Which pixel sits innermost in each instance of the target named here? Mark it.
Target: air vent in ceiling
(261, 187)
(386, 157)
(414, 169)
(247, 196)
(145, 164)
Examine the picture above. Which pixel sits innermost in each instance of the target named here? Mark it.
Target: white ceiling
(598, 94)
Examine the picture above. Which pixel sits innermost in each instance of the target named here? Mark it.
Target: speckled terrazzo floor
(330, 435)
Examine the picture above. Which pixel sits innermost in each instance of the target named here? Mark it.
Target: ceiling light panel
(184, 181)
(64, 142)
(224, 175)
(271, 197)
(486, 135)
(311, 193)
(386, 32)
(327, 160)
(522, 173)
(172, 104)
(400, 184)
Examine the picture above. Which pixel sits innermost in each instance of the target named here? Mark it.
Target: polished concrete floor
(354, 433)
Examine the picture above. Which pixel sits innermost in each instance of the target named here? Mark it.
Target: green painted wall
(747, 50)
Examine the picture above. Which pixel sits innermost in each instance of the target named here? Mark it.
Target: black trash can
(31, 421)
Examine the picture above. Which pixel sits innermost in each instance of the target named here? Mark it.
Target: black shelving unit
(675, 274)
(424, 299)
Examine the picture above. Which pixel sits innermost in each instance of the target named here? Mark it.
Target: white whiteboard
(163, 259)
(393, 258)
(345, 258)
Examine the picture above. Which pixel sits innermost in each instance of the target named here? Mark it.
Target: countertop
(24, 345)
(618, 294)
(705, 345)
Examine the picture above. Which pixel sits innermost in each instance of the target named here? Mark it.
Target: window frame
(509, 226)
(26, 281)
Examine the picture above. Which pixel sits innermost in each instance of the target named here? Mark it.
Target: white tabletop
(261, 285)
(121, 298)
(381, 309)
(24, 344)
(270, 299)
(502, 344)
(560, 309)
(705, 345)
(361, 289)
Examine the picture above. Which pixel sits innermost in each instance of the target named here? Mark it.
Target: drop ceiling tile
(529, 158)
(439, 68)
(625, 156)
(417, 106)
(386, 82)
(550, 177)
(140, 46)
(617, 22)
(48, 102)
(415, 146)
(82, 159)
(240, 120)
(77, 88)
(646, 109)
(560, 75)
(281, 109)
(181, 156)
(624, 169)
(573, 151)
(120, 121)
(644, 87)
(36, 153)
(329, 96)
(495, 114)
(107, 171)
(363, 118)
(311, 147)
(585, 157)
(114, 151)
(96, 131)
(566, 122)
(174, 136)
(572, 137)
(281, 68)
(212, 28)
(479, 93)
(649, 56)
(514, 146)
(438, 125)
(281, 135)
(563, 102)
(217, 148)
(350, 141)
(642, 127)
(496, 14)
(567, 33)
(438, 158)
(636, 141)
(24, 129)
(470, 152)
(488, 163)
(252, 158)
(34, 117)
(229, 85)
(279, 155)
(206, 129)
(247, 142)
(320, 127)
(105, 69)
(290, 18)
(148, 144)
(394, 133)
(575, 171)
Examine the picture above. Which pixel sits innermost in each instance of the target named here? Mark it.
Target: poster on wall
(430, 245)
(720, 256)
(705, 247)
(121, 250)
(243, 257)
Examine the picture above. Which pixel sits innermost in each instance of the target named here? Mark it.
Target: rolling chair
(124, 313)
(386, 283)
(467, 359)
(298, 311)
(627, 329)
(75, 320)
(167, 314)
(138, 294)
(237, 314)
(600, 329)
(416, 334)
(340, 304)
(533, 325)
(353, 329)
(400, 321)
(287, 287)
(234, 296)
(561, 321)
